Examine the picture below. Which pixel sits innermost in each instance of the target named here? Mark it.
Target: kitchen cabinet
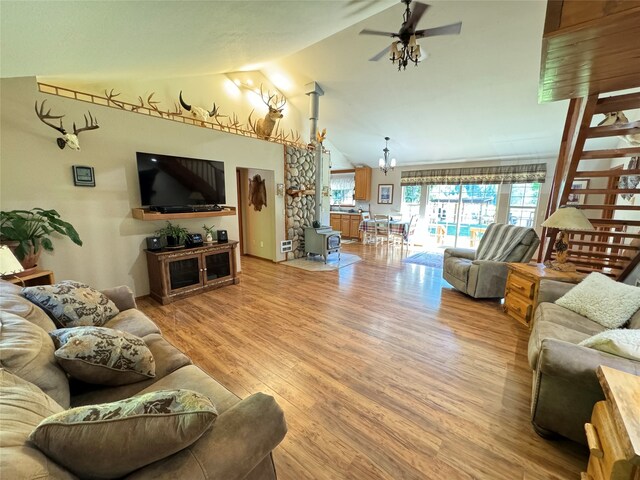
(363, 184)
(347, 223)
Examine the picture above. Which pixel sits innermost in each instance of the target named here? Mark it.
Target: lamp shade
(9, 264)
(568, 218)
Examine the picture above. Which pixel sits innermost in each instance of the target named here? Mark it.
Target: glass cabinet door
(217, 265)
(184, 273)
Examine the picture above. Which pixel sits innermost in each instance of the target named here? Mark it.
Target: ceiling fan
(406, 48)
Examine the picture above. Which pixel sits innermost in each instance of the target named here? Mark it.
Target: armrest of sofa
(122, 296)
(238, 441)
(563, 359)
(468, 253)
(551, 290)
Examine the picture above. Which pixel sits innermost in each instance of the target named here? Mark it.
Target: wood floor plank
(382, 369)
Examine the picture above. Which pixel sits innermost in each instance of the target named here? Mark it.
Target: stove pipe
(315, 92)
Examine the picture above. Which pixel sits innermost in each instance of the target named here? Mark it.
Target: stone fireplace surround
(300, 173)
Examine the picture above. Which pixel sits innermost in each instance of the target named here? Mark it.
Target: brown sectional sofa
(565, 385)
(237, 446)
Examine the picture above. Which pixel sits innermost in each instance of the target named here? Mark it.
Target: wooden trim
(605, 191)
(620, 246)
(612, 153)
(353, 170)
(553, 16)
(630, 128)
(617, 103)
(240, 217)
(632, 265)
(606, 173)
(147, 215)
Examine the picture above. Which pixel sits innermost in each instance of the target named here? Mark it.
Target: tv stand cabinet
(175, 274)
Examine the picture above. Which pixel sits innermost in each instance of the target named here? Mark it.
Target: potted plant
(27, 232)
(209, 232)
(175, 234)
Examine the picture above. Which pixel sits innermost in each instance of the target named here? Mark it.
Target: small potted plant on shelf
(28, 232)
(175, 234)
(209, 232)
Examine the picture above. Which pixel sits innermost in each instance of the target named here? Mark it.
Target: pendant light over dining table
(385, 163)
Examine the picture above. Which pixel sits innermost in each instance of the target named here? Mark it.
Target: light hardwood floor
(383, 371)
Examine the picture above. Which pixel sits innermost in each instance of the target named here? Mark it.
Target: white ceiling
(474, 97)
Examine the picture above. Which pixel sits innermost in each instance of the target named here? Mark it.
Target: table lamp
(9, 264)
(565, 218)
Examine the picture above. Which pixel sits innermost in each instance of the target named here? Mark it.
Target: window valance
(343, 181)
(530, 173)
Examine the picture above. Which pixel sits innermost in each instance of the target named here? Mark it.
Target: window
(410, 200)
(342, 188)
(523, 203)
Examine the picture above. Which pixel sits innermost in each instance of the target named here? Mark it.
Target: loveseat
(565, 386)
(238, 445)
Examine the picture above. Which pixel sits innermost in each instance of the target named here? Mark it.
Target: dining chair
(382, 227)
(367, 236)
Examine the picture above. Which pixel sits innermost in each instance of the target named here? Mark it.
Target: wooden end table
(38, 277)
(614, 432)
(523, 284)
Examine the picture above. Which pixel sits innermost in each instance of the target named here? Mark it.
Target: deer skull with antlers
(613, 118)
(200, 113)
(70, 139)
(264, 126)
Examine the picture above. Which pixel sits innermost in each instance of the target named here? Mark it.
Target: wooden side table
(523, 284)
(38, 277)
(614, 432)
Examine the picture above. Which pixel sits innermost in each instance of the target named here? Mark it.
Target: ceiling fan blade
(453, 29)
(416, 15)
(378, 32)
(378, 56)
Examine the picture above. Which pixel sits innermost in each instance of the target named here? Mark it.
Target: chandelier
(385, 163)
(403, 52)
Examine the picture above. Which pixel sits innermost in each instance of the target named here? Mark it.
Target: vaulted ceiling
(474, 97)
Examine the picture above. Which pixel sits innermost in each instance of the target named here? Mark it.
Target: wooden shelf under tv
(146, 214)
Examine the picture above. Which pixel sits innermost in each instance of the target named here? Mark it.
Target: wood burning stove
(321, 241)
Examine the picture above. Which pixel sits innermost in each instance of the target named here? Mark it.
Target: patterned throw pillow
(103, 356)
(127, 434)
(72, 304)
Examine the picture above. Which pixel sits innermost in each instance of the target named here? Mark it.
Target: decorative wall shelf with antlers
(151, 109)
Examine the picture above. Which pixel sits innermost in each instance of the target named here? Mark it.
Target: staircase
(613, 247)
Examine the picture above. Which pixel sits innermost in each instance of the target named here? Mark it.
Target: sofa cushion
(634, 321)
(167, 359)
(72, 304)
(133, 321)
(622, 342)
(193, 378)
(27, 351)
(103, 356)
(113, 439)
(554, 321)
(602, 300)
(22, 407)
(12, 301)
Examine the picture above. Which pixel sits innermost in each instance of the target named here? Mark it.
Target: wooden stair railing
(612, 247)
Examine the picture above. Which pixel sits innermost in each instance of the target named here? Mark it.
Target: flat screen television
(179, 181)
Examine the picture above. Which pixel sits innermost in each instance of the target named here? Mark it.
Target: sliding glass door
(458, 215)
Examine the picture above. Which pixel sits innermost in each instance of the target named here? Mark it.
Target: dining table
(396, 227)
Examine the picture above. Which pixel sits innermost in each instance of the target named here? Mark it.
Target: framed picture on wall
(385, 193)
(578, 198)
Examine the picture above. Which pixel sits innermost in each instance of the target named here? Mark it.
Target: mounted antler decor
(264, 126)
(200, 113)
(70, 139)
(618, 118)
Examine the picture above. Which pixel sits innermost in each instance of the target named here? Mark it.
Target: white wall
(34, 172)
